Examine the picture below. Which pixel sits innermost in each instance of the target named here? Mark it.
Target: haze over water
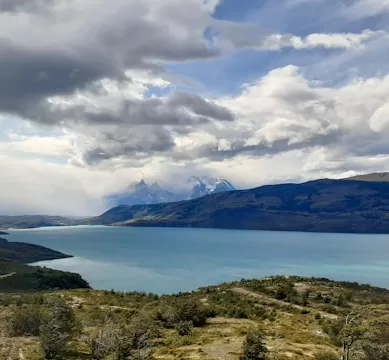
(166, 260)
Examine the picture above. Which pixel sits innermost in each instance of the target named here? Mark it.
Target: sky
(95, 95)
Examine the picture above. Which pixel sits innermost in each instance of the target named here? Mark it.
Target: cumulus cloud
(282, 111)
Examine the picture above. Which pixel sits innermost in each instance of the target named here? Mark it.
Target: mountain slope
(373, 177)
(322, 205)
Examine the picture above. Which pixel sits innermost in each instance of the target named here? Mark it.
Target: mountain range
(356, 205)
(141, 193)
(322, 205)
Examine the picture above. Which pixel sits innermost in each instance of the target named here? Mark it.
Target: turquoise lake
(166, 260)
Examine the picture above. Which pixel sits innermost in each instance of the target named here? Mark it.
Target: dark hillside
(321, 205)
(27, 253)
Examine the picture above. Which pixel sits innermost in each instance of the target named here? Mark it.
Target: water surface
(166, 260)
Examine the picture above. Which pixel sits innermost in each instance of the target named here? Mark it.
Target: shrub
(285, 291)
(59, 326)
(254, 347)
(191, 311)
(25, 321)
(183, 311)
(101, 342)
(136, 340)
(184, 328)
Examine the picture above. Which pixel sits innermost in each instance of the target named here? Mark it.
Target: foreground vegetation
(274, 318)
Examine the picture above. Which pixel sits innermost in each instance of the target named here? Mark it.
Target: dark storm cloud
(177, 109)
(136, 144)
(68, 50)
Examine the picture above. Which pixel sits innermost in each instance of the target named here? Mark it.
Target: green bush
(191, 311)
(184, 328)
(183, 311)
(136, 340)
(285, 291)
(25, 321)
(254, 347)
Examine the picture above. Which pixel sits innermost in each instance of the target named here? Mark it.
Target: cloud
(75, 43)
(235, 36)
(288, 111)
(23, 5)
(179, 108)
(365, 8)
(66, 47)
(282, 111)
(35, 187)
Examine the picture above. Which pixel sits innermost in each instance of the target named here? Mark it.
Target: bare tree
(102, 340)
(353, 330)
(101, 343)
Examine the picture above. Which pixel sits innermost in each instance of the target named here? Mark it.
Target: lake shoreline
(86, 226)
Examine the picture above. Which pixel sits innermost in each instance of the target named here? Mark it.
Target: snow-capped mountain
(141, 193)
(205, 185)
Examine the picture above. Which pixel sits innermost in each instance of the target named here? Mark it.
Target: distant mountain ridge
(143, 194)
(321, 205)
(34, 221)
(374, 177)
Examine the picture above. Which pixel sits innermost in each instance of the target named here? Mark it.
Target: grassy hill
(300, 318)
(322, 205)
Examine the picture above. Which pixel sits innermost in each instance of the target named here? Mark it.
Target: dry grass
(295, 332)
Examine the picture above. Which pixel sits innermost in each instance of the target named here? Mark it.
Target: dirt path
(267, 299)
(21, 356)
(7, 275)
